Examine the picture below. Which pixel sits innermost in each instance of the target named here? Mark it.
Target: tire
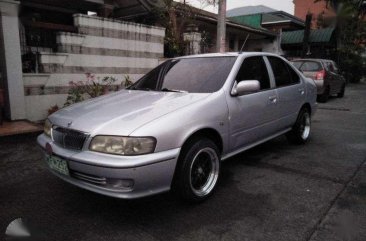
(341, 93)
(197, 170)
(324, 97)
(301, 130)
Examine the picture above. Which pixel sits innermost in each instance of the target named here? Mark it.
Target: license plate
(57, 164)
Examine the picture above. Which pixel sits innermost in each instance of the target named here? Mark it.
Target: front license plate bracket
(58, 164)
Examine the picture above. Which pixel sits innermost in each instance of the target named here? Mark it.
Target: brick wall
(302, 7)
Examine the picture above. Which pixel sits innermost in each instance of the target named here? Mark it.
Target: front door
(252, 116)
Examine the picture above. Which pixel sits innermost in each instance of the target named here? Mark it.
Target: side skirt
(226, 156)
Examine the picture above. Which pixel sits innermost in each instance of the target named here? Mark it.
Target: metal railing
(38, 37)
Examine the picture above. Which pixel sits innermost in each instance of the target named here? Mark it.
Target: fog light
(120, 183)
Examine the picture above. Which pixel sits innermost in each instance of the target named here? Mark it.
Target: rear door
(339, 81)
(290, 90)
(332, 78)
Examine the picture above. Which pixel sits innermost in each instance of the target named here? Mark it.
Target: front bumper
(145, 174)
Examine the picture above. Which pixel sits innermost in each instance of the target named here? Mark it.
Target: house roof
(281, 16)
(316, 36)
(260, 15)
(212, 17)
(253, 20)
(249, 10)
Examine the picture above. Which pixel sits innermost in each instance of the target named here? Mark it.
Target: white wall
(104, 47)
(270, 46)
(11, 59)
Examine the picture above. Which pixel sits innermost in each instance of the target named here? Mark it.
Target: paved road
(276, 191)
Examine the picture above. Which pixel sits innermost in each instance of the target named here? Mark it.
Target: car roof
(320, 60)
(227, 54)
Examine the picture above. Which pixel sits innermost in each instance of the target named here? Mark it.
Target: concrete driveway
(276, 191)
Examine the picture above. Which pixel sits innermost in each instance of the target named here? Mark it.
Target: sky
(284, 5)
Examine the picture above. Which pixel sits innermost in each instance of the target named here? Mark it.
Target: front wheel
(198, 170)
(301, 130)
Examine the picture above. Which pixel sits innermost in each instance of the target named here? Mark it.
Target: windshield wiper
(171, 90)
(135, 88)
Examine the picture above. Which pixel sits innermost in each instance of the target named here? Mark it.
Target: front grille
(67, 138)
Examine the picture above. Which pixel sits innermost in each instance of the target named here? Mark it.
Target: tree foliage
(174, 16)
(351, 35)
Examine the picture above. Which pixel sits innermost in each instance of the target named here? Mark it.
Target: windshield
(195, 75)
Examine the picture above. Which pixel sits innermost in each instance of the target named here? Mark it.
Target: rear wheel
(341, 93)
(324, 97)
(301, 130)
(198, 170)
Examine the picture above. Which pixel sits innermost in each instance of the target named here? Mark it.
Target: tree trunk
(173, 18)
(221, 27)
(305, 44)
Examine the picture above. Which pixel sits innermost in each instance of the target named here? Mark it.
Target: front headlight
(47, 128)
(120, 145)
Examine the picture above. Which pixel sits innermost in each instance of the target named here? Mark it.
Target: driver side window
(254, 68)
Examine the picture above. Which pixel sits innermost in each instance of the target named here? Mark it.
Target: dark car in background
(326, 76)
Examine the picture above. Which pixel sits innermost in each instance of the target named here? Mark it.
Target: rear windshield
(297, 64)
(308, 66)
(194, 75)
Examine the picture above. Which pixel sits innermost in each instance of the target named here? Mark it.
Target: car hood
(122, 112)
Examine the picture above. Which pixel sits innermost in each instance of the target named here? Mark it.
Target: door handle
(273, 99)
(301, 91)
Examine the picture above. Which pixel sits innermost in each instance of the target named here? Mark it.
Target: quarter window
(254, 68)
(284, 75)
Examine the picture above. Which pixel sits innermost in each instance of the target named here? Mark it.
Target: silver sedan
(174, 126)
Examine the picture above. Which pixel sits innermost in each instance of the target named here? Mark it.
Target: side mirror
(245, 87)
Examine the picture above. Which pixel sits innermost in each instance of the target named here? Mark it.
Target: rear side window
(254, 68)
(311, 66)
(294, 76)
(329, 66)
(284, 75)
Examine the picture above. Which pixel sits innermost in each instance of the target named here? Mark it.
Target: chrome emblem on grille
(69, 124)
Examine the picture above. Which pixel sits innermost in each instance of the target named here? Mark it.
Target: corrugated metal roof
(316, 36)
(271, 18)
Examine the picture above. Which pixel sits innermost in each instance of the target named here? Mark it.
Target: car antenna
(242, 47)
